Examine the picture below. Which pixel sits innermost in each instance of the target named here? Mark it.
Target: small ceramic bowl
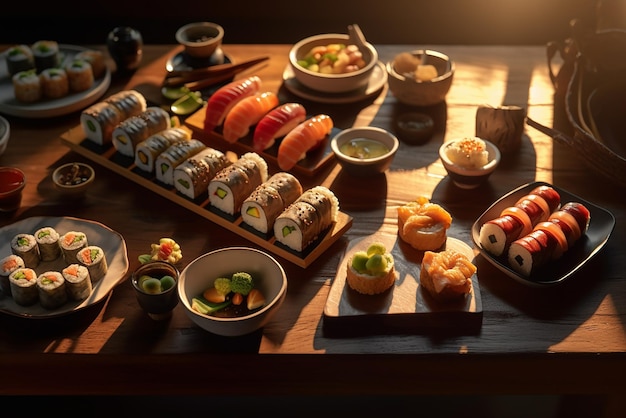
(365, 151)
(73, 178)
(199, 275)
(12, 183)
(155, 284)
(414, 92)
(331, 83)
(200, 39)
(470, 177)
(5, 133)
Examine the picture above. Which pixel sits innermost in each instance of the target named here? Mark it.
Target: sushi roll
(192, 177)
(128, 103)
(307, 218)
(147, 151)
(48, 241)
(46, 55)
(51, 289)
(176, 154)
(95, 59)
(71, 243)
(78, 281)
(54, 83)
(98, 122)
(79, 74)
(23, 282)
(94, 259)
(232, 185)
(135, 129)
(269, 200)
(19, 58)
(25, 246)
(8, 265)
(27, 86)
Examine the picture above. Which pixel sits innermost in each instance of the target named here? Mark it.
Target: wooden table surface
(564, 339)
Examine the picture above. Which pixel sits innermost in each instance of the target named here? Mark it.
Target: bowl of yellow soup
(365, 151)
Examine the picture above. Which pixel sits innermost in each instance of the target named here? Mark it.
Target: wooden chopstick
(219, 72)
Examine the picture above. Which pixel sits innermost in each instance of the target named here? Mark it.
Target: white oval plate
(50, 108)
(111, 242)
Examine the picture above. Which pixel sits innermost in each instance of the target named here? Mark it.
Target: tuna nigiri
(223, 100)
(246, 113)
(277, 123)
(301, 139)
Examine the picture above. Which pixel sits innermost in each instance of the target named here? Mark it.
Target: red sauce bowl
(12, 182)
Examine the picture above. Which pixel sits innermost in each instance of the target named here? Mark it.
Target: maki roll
(232, 185)
(95, 260)
(269, 200)
(135, 129)
(71, 243)
(51, 289)
(192, 177)
(95, 59)
(48, 241)
(98, 122)
(27, 86)
(25, 246)
(8, 265)
(46, 55)
(307, 218)
(23, 282)
(54, 83)
(79, 74)
(176, 154)
(128, 103)
(78, 281)
(147, 151)
(19, 58)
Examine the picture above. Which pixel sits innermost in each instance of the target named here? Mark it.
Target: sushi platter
(111, 242)
(405, 307)
(600, 227)
(315, 160)
(108, 156)
(52, 107)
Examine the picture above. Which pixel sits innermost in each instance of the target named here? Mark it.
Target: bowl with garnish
(365, 151)
(469, 161)
(232, 291)
(73, 178)
(420, 78)
(333, 62)
(155, 288)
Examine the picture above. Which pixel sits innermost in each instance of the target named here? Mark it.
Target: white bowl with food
(232, 291)
(365, 151)
(469, 161)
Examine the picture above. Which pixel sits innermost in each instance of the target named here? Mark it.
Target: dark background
(529, 22)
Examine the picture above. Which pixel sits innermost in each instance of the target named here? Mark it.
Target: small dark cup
(125, 46)
(12, 182)
(158, 305)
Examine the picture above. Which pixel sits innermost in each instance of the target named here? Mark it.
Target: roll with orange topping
(423, 224)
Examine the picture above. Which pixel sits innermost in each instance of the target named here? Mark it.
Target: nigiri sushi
(246, 113)
(301, 139)
(223, 100)
(277, 123)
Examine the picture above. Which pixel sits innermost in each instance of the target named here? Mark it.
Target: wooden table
(568, 339)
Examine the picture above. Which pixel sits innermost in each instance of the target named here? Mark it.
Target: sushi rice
(25, 245)
(23, 282)
(48, 241)
(8, 265)
(94, 259)
(51, 289)
(78, 281)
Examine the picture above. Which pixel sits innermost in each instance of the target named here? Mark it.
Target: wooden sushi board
(108, 157)
(312, 164)
(406, 306)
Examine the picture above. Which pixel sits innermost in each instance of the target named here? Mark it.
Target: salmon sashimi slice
(303, 138)
(246, 113)
(223, 100)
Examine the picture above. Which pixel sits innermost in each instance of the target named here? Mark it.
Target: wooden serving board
(406, 306)
(315, 160)
(107, 156)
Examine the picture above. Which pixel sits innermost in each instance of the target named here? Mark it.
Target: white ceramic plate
(376, 82)
(600, 227)
(111, 242)
(50, 108)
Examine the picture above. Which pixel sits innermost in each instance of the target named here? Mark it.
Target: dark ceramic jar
(125, 46)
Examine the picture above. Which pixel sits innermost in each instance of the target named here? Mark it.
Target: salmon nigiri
(277, 123)
(303, 138)
(246, 113)
(227, 96)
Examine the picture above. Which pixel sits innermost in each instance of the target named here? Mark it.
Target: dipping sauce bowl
(12, 182)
